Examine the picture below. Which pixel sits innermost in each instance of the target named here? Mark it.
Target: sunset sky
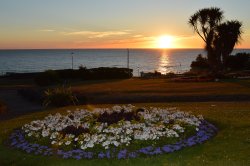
(109, 23)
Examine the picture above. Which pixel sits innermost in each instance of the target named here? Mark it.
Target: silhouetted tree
(220, 38)
(205, 22)
(227, 36)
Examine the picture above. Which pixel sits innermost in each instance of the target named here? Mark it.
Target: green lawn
(164, 87)
(230, 147)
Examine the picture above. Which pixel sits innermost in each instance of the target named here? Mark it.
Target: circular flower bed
(118, 132)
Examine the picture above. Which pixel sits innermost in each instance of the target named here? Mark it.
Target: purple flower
(157, 151)
(65, 156)
(132, 155)
(108, 154)
(77, 157)
(167, 149)
(88, 155)
(14, 142)
(101, 155)
(122, 154)
(177, 147)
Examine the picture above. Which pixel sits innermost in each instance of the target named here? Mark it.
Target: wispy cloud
(136, 36)
(183, 37)
(47, 30)
(98, 34)
(135, 39)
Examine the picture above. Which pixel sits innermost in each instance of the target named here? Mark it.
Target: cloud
(136, 36)
(183, 37)
(100, 34)
(135, 39)
(47, 30)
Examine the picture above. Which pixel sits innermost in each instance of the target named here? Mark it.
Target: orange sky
(111, 24)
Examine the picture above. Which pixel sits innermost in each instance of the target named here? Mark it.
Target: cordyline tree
(219, 37)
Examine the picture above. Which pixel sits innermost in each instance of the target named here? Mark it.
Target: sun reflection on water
(163, 65)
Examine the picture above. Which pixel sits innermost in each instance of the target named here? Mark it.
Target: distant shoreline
(20, 49)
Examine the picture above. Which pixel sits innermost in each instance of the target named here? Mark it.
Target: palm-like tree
(220, 38)
(204, 22)
(228, 34)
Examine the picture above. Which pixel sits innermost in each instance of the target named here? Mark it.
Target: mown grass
(163, 87)
(231, 146)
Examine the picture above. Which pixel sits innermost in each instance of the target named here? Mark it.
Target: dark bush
(81, 67)
(201, 63)
(52, 77)
(49, 77)
(109, 73)
(170, 75)
(154, 74)
(240, 61)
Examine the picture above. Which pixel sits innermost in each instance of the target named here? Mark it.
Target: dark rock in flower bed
(206, 131)
(73, 130)
(115, 117)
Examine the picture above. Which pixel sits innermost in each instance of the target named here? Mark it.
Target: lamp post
(72, 60)
(128, 58)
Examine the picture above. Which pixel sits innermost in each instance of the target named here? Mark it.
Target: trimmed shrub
(49, 77)
(52, 77)
(60, 96)
(201, 63)
(240, 61)
(108, 73)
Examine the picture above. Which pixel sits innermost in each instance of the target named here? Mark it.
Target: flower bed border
(206, 131)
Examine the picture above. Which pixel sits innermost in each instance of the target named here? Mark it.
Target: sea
(140, 60)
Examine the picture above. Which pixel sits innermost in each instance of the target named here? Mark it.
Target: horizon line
(2, 49)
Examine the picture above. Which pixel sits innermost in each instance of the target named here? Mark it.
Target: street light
(72, 60)
(128, 58)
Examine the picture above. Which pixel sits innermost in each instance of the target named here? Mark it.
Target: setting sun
(165, 41)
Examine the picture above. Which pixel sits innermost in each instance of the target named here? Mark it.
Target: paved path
(17, 105)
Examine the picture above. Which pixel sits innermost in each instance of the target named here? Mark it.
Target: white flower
(116, 143)
(178, 128)
(90, 144)
(53, 142)
(45, 133)
(67, 142)
(156, 123)
(83, 147)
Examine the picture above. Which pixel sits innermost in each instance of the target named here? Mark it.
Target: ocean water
(146, 60)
